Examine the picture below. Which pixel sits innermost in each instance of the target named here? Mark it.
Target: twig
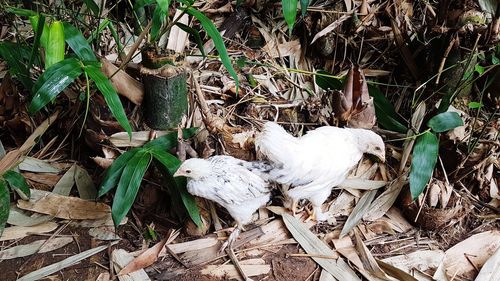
(233, 258)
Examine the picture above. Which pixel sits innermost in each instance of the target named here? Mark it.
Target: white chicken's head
(194, 168)
(371, 143)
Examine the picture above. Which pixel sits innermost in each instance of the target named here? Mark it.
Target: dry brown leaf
(66, 182)
(85, 184)
(16, 232)
(122, 139)
(251, 267)
(124, 84)
(369, 262)
(64, 207)
(35, 247)
(120, 259)
(422, 260)
(346, 248)
(291, 48)
(178, 38)
(145, 259)
(362, 208)
(463, 259)
(384, 202)
(11, 159)
(491, 269)
(314, 246)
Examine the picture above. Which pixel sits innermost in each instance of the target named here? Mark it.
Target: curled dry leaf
(16, 232)
(463, 259)
(354, 106)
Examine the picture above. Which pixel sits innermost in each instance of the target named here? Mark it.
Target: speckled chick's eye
(188, 171)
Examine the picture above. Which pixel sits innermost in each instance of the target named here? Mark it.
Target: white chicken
(237, 185)
(313, 164)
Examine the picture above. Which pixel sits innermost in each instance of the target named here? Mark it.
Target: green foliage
(110, 95)
(196, 35)
(426, 150)
(304, 4)
(129, 184)
(16, 56)
(326, 81)
(127, 171)
(55, 79)
(4, 204)
(77, 43)
(445, 121)
(54, 52)
(159, 15)
(289, 8)
(475, 105)
(18, 183)
(213, 33)
(424, 159)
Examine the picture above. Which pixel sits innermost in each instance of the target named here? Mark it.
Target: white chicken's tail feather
(275, 143)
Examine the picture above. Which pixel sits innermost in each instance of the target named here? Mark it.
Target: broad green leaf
(39, 26)
(77, 43)
(424, 159)
(18, 183)
(92, 6)
(4, 204)
(289, 8)
(159, 16)
(14, 54)
(54, 51)
(304, 4)
(327, 82)
(21, 12)
(114, 172)
(129, 184)
(385, 112)
(479, 69)
(169, 140)
(45, 30)
(195, 33)
(171, 163)
(110, 95)
(53, 81)
(445, 121)
(213, 33)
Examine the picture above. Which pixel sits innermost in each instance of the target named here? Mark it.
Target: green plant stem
(410, 137)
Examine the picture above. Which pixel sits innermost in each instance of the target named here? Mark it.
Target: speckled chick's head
(194, 168)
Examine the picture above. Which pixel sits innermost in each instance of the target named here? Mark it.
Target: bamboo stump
(165, 96)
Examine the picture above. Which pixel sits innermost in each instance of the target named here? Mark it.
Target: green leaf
(129, 184)
(92, 6)
(289, 12)
(110, 95)
(327, 82)
(114, 172)
(21, 12)
(304, 4)
(169, 140)
(424, 159)
(385, 112)
(495, 60)
(54, 51)
(213, 33)
(196, 35)
(18, 183)
(55, 79)
(77, 43)
(479, 69)
(14, 54)
(445, 121)
(4, 204)
(475, 105)
(159, 15)
(35, 20)
(39, 25)
(171, 163)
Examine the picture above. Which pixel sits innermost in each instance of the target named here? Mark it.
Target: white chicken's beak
(178, 173)
(381, 156)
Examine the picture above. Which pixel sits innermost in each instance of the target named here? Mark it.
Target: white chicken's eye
(188, 171)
